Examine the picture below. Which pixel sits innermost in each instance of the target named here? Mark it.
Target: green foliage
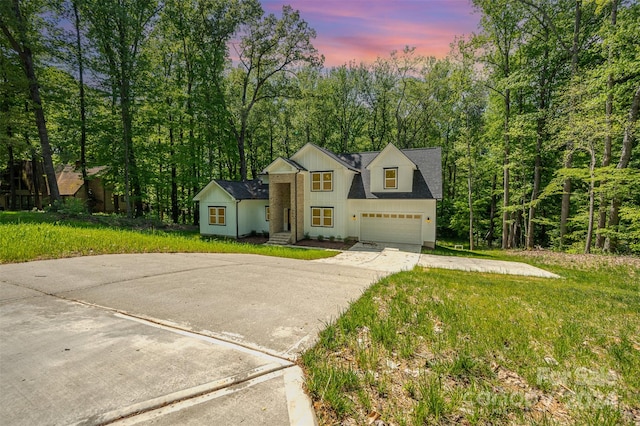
(168, 110)
(73, 207)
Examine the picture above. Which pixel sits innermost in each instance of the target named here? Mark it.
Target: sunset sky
(362, 30)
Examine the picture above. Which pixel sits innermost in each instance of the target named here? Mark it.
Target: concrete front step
(281, 238)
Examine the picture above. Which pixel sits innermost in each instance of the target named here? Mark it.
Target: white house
(387, 196)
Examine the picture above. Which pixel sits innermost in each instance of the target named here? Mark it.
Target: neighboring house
(71, 185)
(23, 186)
(387, 196)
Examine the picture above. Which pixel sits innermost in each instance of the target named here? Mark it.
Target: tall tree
(500, 22)
(17, 27)
(269, 48)
(119, 28)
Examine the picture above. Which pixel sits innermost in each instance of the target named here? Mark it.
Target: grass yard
(33, 236)
(449, 347)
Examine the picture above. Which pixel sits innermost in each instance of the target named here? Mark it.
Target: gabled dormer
(391, 171)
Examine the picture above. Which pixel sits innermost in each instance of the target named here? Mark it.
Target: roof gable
(427, 176)
(391, 156)
(283, 165)
(247, 190)
(70, 180)
(299, 156)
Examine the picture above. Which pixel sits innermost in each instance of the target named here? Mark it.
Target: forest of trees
(536, 113)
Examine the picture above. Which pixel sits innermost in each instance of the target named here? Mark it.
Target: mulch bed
(325, 244)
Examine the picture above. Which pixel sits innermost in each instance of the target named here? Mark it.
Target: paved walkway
(483, 265)
(391, 258)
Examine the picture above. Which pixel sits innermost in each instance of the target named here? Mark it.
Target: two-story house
(387, 196)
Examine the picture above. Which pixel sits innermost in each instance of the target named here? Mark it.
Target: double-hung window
(322, 217)
(322, 181)
(217, 216)
(391, 178)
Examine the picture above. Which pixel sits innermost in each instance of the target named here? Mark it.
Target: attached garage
(391, 227)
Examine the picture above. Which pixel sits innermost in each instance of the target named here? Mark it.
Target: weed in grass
(383, 385)
(367, 357)
(407, 346)
(411, 389)
(384, 331)
(328, 337)
(432, 404)
(332, 384)
(601, 415)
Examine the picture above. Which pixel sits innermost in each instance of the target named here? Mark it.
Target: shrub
(70, 206)
(320, 238)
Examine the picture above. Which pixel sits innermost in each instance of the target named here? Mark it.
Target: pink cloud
(365, 30)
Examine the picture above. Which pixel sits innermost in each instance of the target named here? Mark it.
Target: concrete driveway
(164, 338)
(173, 338)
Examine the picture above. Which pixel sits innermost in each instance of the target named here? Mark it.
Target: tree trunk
(83, 114)
(26, 59)
(625, 156)
(492, 211)
(470, 192)
(241, 143)
(505, 173)
(37, 202)
(540, 136)
(592, 199)
(606, 157)
(568, 160)
(175, 211)
(536, 184)
(12, 179)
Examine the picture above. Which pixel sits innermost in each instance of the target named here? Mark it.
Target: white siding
(390, 158)
(427, 208)
(316, 161)
(251, 216)
(227, 230)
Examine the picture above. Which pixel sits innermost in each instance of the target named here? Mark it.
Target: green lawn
(32, 236)
(449, 347)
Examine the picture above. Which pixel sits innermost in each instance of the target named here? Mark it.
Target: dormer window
(391, 178)
(322, 181)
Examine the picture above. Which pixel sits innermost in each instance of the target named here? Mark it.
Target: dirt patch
(257, 239)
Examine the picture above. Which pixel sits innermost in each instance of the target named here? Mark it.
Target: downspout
(295, 207)
(237, 223)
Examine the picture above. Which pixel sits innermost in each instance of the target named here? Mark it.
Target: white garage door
(391, 228)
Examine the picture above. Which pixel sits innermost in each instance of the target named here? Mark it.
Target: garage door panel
(391, 227)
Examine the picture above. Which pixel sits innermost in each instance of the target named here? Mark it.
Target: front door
(287, 219)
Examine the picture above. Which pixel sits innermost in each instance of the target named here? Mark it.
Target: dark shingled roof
(338, 158)
(294, 164)
(248, 190)
(427, 179)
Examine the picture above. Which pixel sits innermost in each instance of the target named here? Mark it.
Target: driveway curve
(172, 338)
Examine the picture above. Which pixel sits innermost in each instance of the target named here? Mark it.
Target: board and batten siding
(315, 160)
